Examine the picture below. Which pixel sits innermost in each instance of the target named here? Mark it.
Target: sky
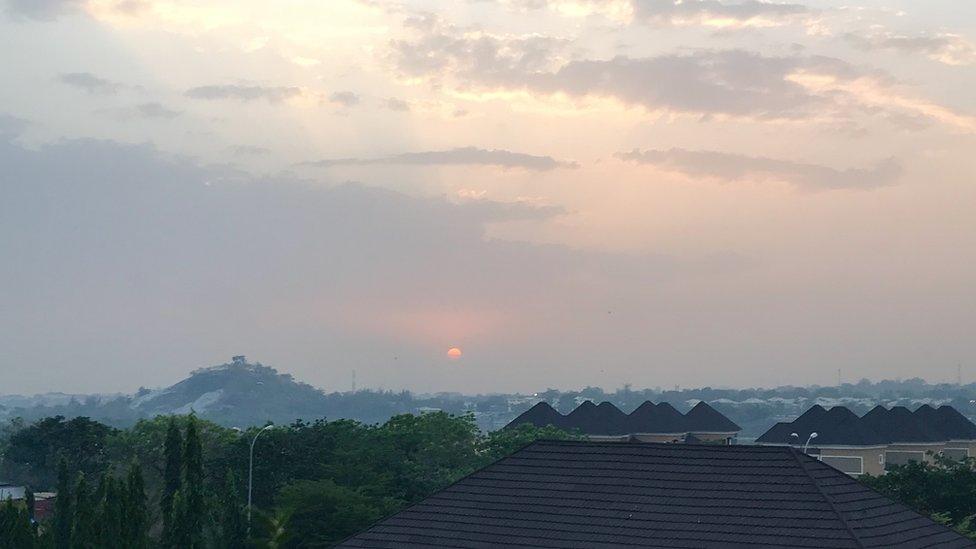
(723, 193)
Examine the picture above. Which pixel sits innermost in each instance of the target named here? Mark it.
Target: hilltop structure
(575, 494)
(879, 439)
(648, 423)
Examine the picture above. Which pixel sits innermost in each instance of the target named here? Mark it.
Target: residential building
(648, 423)
(11, 491)
(880, 439)
(583, 494)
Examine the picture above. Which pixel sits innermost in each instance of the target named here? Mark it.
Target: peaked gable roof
(608, 420)
(575, 494)
(703, 418)
(947, 421)
(655, 418)
(840, 426)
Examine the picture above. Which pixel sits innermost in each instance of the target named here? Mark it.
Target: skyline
(568, 192)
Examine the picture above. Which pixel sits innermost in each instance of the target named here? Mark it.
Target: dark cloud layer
(462, 156)
(271, 94)
(736, 166)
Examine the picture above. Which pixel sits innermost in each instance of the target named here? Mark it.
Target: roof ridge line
(830, 502)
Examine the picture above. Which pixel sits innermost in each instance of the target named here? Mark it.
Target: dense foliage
(944, 489)
(179, 481)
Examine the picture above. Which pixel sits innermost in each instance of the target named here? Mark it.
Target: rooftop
(839, 426)
(590, 494)
(606, 419)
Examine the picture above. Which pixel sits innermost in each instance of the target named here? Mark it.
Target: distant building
(11, 491)
(582, 494)
(648, 423)
(878, 440)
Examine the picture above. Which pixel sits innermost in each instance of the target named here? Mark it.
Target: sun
(454, 353)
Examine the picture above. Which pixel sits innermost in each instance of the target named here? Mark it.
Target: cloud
(398, 105)
(345, 98)
(90, 83)
(271, 94)
(156, 110)
(709, 13)
(249, 150)
(42, 10)
(950, 49)
(714, 13)
(441, 48)
(705, 83)
(11, 126)
(462, 156)
(733, 167)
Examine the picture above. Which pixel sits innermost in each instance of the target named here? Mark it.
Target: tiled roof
(839, 427)
(576, 494)
(705, 418)
(607, 419)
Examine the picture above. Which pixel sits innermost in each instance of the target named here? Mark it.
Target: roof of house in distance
(590, 494)
(606, 419)
(842, 427)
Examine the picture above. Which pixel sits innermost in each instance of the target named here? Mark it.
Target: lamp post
(812, 436)
(250, 475)
(796, 436)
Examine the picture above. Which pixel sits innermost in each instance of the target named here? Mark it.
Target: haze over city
(487, 195)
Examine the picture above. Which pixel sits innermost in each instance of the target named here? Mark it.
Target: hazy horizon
(570, 192)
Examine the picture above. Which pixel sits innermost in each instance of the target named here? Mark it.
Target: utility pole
(250, 476)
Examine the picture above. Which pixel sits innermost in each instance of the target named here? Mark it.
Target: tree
(16, 531)
(83, 534)
(135, 513)
(63, 508)
(321, 513)
(232, 527)
(30, 503)
(944, 489)
(109, 507)
(192, 489)
(171, 478)
(38, 448)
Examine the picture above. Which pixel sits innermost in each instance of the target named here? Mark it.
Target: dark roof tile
(575, 494)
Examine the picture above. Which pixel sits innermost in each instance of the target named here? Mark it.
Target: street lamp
(794, 435)
(812, 436)
(250, 475)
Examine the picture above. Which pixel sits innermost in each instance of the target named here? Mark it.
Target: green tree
(30, 503)
(192, 489)
(63, 508)
(321, 513)
(84, 534)
(233, 530)
(16, 531)
(172, 478)
(110, 514)
(135, 513)
(944, 488)
(39, 447)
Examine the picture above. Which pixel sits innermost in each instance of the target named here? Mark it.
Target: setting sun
(454, 353)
